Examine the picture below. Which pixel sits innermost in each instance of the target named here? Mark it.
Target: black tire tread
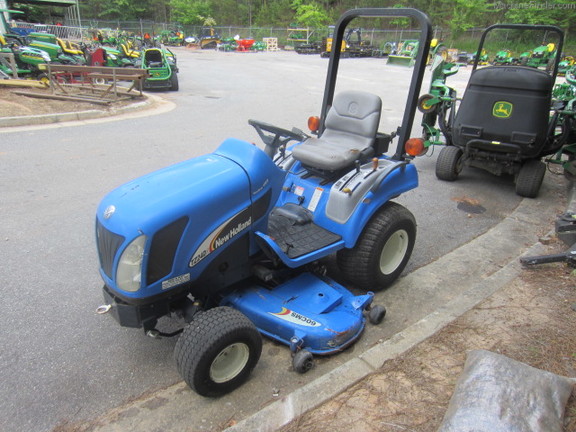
(198, 339)
(446, 164)
(356, 264)
(174, 85)
(530, 178)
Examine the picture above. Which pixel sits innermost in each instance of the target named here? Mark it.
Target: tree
(121, 9)
(274, 13)
(467, 14)
(310, 14)
(553, 12)
(191, 12)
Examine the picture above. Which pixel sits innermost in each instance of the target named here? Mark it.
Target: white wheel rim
(394, 251)
(229, 362)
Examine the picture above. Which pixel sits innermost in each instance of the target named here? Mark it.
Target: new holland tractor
(231, 242)
(505, 122)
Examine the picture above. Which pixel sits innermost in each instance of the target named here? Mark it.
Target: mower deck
(306, 312)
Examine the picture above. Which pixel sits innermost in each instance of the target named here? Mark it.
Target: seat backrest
(354, 116)
(350, 128)
(153, 56)
(508, 104)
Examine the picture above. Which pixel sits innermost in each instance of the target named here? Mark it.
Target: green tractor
(27, 61)
(49, 43)
(541, 56)
(504, 57)
(407, 51)
(565, 65)
(162, 69)
(171, 37)
(122, 56)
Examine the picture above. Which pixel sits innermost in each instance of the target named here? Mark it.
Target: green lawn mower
(542, 56)
(505, 122)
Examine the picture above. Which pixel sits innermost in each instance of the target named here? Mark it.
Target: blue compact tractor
(230, 242)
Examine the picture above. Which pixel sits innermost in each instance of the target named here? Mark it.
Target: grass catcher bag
(497, 394)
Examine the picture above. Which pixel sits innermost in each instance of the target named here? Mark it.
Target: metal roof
(60, 3)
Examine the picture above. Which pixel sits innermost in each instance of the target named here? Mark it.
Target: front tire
(530, 178)
(382, 251)
(217, 351)
(449, 163)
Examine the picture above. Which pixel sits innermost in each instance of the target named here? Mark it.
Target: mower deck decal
(295, 318)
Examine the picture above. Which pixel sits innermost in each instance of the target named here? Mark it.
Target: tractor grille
(163, 250)
(108, 244)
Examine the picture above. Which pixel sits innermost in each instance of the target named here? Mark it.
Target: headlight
(45, 56)
(129, 272)
(112, 56)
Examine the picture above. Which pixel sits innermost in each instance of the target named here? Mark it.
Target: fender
(356, 197)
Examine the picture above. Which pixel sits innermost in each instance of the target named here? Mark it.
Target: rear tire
(382, 251)
(530, 178)
(217, 351)
(449, 163)
(174, 86)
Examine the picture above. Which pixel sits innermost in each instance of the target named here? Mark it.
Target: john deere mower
(505, 122)
(544, 55)
(231, 242)
(27, 61)
(162, 69)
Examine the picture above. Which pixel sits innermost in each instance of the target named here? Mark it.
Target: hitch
(568, 257)
(566, 230)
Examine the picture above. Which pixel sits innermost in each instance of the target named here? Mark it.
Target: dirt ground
(13, 104)
(532, 320)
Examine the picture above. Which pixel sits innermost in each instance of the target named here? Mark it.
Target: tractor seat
(349, 133)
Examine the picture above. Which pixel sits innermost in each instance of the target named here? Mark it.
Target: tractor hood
(236, 173)
(184, 210)
(140, 205)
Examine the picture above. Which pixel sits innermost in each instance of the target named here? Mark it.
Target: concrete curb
(43, 119)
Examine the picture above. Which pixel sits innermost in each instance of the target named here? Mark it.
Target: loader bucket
(400, 60)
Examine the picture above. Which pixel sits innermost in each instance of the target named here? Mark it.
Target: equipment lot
(62, 365)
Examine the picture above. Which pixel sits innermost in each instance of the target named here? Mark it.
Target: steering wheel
(279, 137)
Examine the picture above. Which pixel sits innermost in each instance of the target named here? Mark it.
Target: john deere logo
(502, 109)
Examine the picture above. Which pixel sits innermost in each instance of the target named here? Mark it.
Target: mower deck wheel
(303, 361)
(376, 314)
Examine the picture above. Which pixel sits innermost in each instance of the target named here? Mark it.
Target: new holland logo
(296, 318)
(502, 109)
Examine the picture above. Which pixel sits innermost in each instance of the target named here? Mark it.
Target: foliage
(467, 14)
(191, 12)
(310, 14)
(457, 16)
